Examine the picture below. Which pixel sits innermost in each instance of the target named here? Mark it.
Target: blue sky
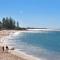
(32, 13)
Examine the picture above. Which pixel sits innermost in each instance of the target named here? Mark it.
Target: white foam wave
(4, 42)
(24, 55)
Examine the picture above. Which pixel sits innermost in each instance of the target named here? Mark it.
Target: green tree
(0, 25)
(9, 23)
(17, 25)
(3, 22)
(12, 23)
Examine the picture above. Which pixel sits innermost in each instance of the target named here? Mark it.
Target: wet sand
(7, 56)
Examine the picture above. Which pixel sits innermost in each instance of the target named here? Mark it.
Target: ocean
(41, 44)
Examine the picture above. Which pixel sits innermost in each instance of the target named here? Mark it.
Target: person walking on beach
(7, 48)
(3, 48)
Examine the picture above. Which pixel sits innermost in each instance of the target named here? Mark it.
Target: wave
(16, 51)
(27, 50)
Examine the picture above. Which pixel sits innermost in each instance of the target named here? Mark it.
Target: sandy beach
(8, 56)
(12, 54)
(4, 55)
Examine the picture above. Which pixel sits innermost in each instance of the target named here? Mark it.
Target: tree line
(9, 23)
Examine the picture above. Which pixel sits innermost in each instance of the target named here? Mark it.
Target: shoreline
(21, 54)
(3, 54)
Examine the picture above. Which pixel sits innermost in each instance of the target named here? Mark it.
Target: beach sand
(13, 54)
(8, 56)
(4, 55)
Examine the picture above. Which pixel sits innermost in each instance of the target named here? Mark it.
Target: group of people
(3, 48)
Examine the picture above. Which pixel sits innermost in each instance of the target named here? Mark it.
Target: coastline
(23, 55)
(5, 36)
(20, 54)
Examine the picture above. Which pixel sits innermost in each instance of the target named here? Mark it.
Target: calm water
(45, 45)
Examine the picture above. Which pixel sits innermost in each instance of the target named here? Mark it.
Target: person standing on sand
(3, 48)
(7, 48)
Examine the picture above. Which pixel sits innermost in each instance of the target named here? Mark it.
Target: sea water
(41, 44)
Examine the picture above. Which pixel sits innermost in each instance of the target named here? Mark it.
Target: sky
(32, 13)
